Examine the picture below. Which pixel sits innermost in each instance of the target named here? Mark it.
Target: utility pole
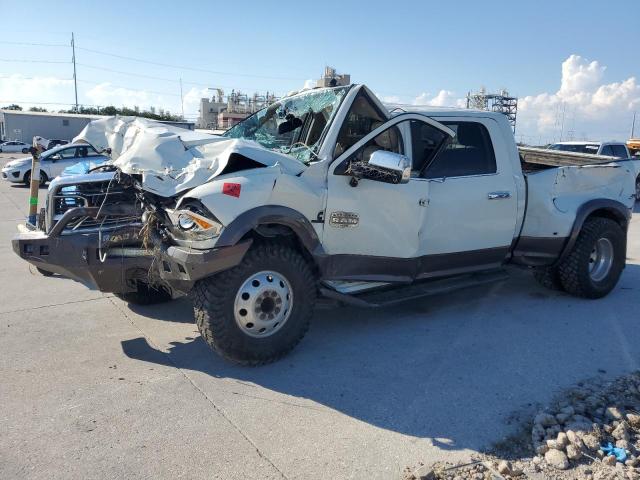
(75, 82)
(181, 99)
(633, 125)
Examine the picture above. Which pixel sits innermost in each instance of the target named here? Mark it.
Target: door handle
(498, 195)
(423, 202)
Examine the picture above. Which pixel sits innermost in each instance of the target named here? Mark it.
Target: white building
(19, 125)
(23, 126)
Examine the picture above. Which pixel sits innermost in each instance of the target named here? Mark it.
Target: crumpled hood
(172, 159)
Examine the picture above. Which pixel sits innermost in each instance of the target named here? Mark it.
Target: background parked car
(611, 149)
(14, 146)
(52, 163)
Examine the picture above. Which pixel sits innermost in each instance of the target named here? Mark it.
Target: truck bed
(534, 159)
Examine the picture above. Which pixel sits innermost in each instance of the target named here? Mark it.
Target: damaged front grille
(96, 190)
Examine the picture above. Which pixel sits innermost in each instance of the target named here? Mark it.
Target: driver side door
(372, 228)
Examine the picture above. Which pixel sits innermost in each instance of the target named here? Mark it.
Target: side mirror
(389, 167)
(56, 157)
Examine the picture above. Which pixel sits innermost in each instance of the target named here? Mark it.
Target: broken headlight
(189, 223)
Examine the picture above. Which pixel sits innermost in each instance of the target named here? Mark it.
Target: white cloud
(310, 83)
(389, 98)
(191, 99)
(583, 107)
(28, 91)
(56, 94)
(444, 98)
(107, 94)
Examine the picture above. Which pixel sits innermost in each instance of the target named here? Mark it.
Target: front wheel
(258, 311)
(594, 265)
(27, 178)
(25, 150)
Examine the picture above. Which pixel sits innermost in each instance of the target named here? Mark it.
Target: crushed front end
(89, 231)
(104, 230)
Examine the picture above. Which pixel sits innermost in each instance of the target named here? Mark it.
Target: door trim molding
(389, 269)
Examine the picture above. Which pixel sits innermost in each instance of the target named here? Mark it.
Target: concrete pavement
(94, 388)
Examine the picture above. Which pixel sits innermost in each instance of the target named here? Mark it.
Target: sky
(572, 64)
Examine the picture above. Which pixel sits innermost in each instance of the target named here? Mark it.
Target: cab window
(363, 117)
(426, 141)
(470, 152)
(389, 140)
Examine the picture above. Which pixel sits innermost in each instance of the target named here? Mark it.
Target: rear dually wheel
(594, 265)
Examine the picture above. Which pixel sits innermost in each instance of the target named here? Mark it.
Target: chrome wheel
(601, 259)
(263, 304)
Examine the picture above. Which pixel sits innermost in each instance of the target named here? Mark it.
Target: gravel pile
(565, 441)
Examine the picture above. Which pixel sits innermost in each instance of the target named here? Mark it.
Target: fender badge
(344, 219)
(232, 189)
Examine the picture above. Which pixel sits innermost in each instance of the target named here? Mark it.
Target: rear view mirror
(390, 167)
(289, 125)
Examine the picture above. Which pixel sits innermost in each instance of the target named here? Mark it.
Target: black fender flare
(271, 214)
(616, 209)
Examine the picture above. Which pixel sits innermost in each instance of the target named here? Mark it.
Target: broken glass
(293, 125)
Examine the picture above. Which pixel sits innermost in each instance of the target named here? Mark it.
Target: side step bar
(399, 294)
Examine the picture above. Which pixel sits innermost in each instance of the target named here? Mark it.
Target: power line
(130, 88)
(183, 67)
(32, 61)
(35, 44)
(152, 77)
(11, 75)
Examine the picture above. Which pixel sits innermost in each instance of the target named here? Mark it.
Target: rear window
(576, 147)
(607, 150)
(470, 152)
(619, 151)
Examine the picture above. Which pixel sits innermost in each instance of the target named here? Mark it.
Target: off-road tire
(574, 269)
(27, 178)
(44, 273)
(146, 295)
(213, 305)
(548, 277)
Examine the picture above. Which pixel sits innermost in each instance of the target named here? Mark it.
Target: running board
(399, 294)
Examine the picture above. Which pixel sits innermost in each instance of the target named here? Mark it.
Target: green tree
(37, 109)
(13, 106)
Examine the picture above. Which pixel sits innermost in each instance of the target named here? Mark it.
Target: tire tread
(209, 298)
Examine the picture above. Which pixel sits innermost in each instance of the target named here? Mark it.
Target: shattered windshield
(293, 125)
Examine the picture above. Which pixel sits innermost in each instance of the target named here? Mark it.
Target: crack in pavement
(198, 389)
(70, 302)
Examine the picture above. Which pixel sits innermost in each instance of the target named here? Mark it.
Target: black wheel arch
(603, 208)
(272, 221)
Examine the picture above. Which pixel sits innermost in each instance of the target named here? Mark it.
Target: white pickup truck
(325, 193)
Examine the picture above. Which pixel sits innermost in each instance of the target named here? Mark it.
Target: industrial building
(331, 78)
(23, 126)
(220, 114)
